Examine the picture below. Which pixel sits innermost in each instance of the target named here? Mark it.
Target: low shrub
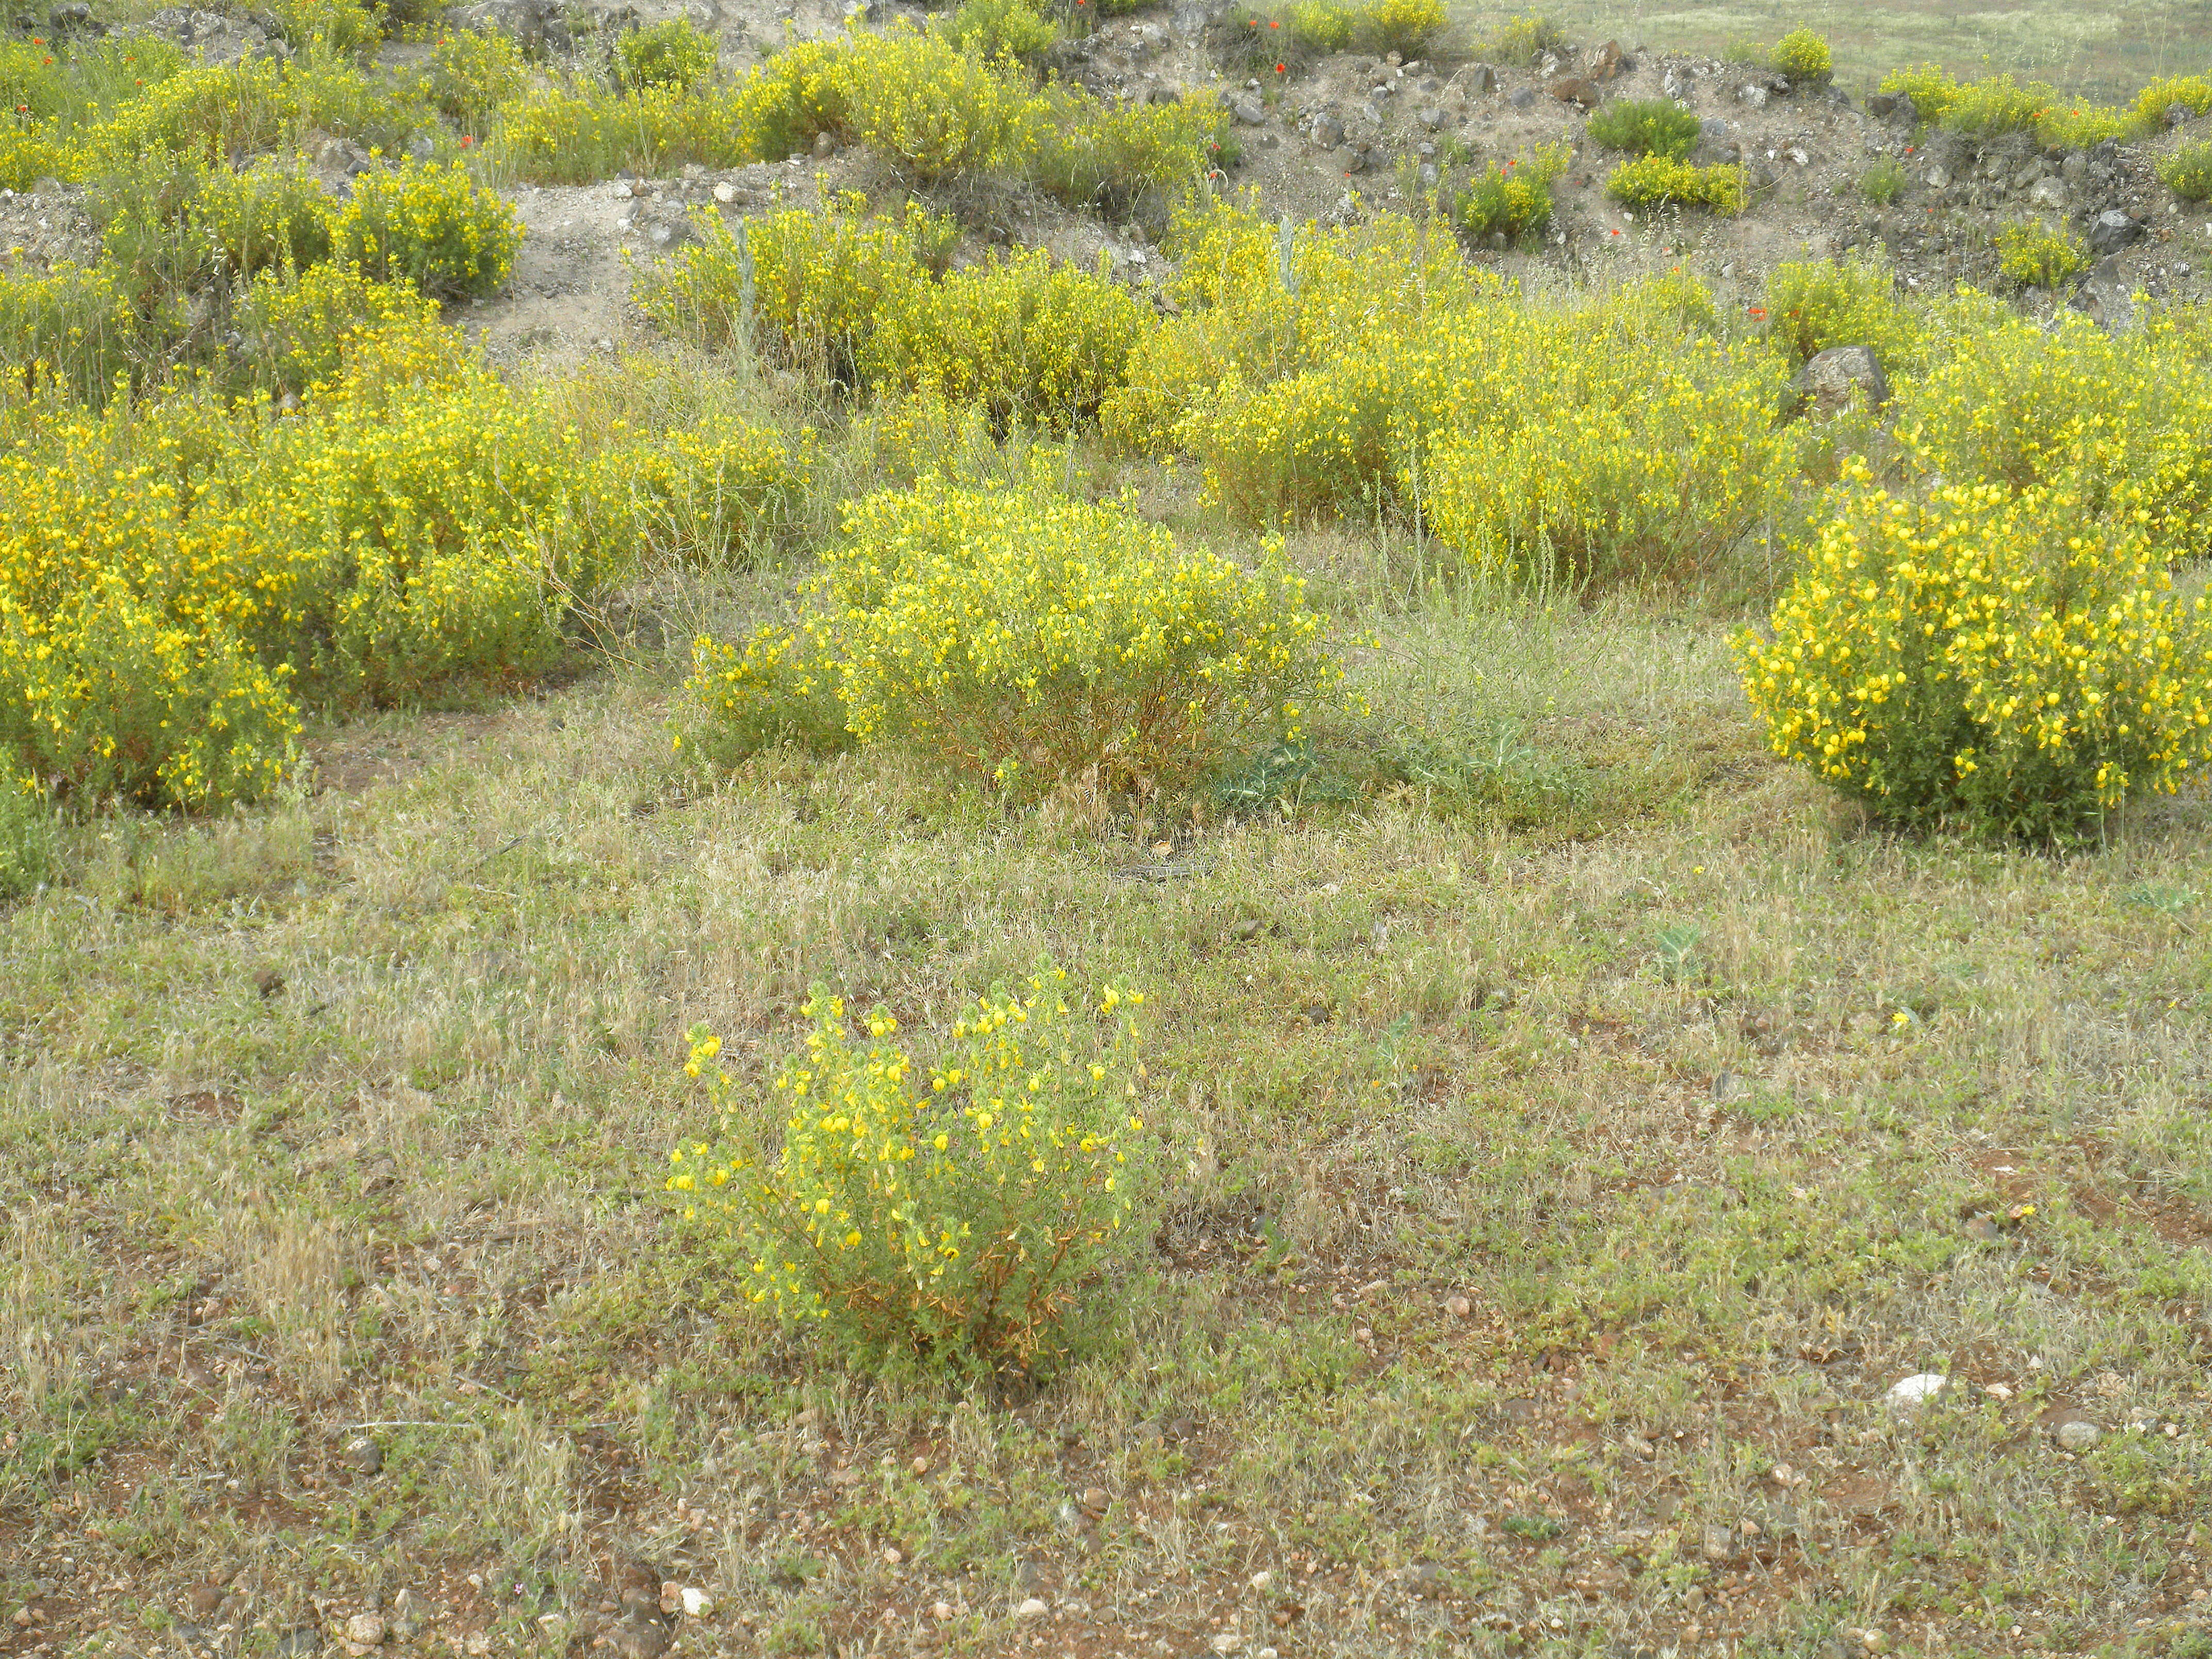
(821, 281)
(26, 157)
(571, 135)
(1409, 27)
(1121, 159)
(1522, 40)
(673, 55)
(2192, 93)
(33, 87)
(951, 1224)
(1814, 304)
(1802, 56)
(472, 75)
(298, 328)
(1883, 181)
(2188, 171)
(999, 29)
(1030, 639)
(433, 226)
(104, 696)
(786, 103)
(936, 112)
(1994, 107)
(1023, 335)
(2007, 662)
(2082, 127)
(2133, 414)
(1616, 440)
(1931, 90)
(1646, 126)
(74, 331)
(1510, 198)
(1656, 181)
(2035, 257)
(273, 212)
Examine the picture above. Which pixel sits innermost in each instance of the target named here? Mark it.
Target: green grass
(1543, 988)
(2106, 52)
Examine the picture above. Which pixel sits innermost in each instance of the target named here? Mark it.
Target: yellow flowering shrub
(217, 113)
(1022, 335)
(2014, 662)
(950, 1216)
(821, 280)
(2192, 92)
(1814, 304)
(2188, 171)
(785, 103)
(565, 135)
(1510, 198)
(1612, 438)
(473, 74)
(1801, 55)
(105, 695)
(673, 53)
(1654, 180)
(433, 226)
(272, 213)
(933, 111)
(771, 688)
(298, 327)
(27, 156)
(2134, 413)
(999, 29)
(72, 330)
(1026, 638)
(2034, 256)
(1116, 157)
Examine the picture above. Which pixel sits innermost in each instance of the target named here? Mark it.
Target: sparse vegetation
(1593, 1049)
(2188, 171)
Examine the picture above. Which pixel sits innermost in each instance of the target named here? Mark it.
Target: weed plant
(1646, 126)
(2188, 171)
(2034, 256)
(950, 1226)
(1658, 180)
(1513, 198)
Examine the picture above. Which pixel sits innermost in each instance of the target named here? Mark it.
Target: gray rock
(73, 18)
(364, 1454)
(2077, 1435)
(1610, 63)
(297, 1644)
(1427, 175)
(1718, 1545)
(1430, 119)
(1753, 94)
(1327, 131)
(1676, 86)
(1938, 177)
(1522, 98)
(1882, 105)
(1249, 112)
(1480, 78)
(2115, 228)
(2075, 167)
(2049, 194)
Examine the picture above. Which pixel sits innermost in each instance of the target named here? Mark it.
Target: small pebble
(1032, 1608)
(891, 1556)
(697, 1604)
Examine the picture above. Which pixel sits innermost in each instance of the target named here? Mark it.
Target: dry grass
(2106, 52)
(1714, 1108)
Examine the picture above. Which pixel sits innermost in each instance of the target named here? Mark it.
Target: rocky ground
(1335, 140)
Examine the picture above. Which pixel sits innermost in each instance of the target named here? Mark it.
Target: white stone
(697, 1604)
(1909, 1393)
(1032, 1608)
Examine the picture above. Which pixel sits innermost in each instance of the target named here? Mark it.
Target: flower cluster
(1510, 198)
(2015, 662)
(1656, 181)
(2035, 257)
(951, 1221)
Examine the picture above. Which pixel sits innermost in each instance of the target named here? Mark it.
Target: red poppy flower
(1759, 312)
(1272, 24)
(1280, 69)
(466, 141)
